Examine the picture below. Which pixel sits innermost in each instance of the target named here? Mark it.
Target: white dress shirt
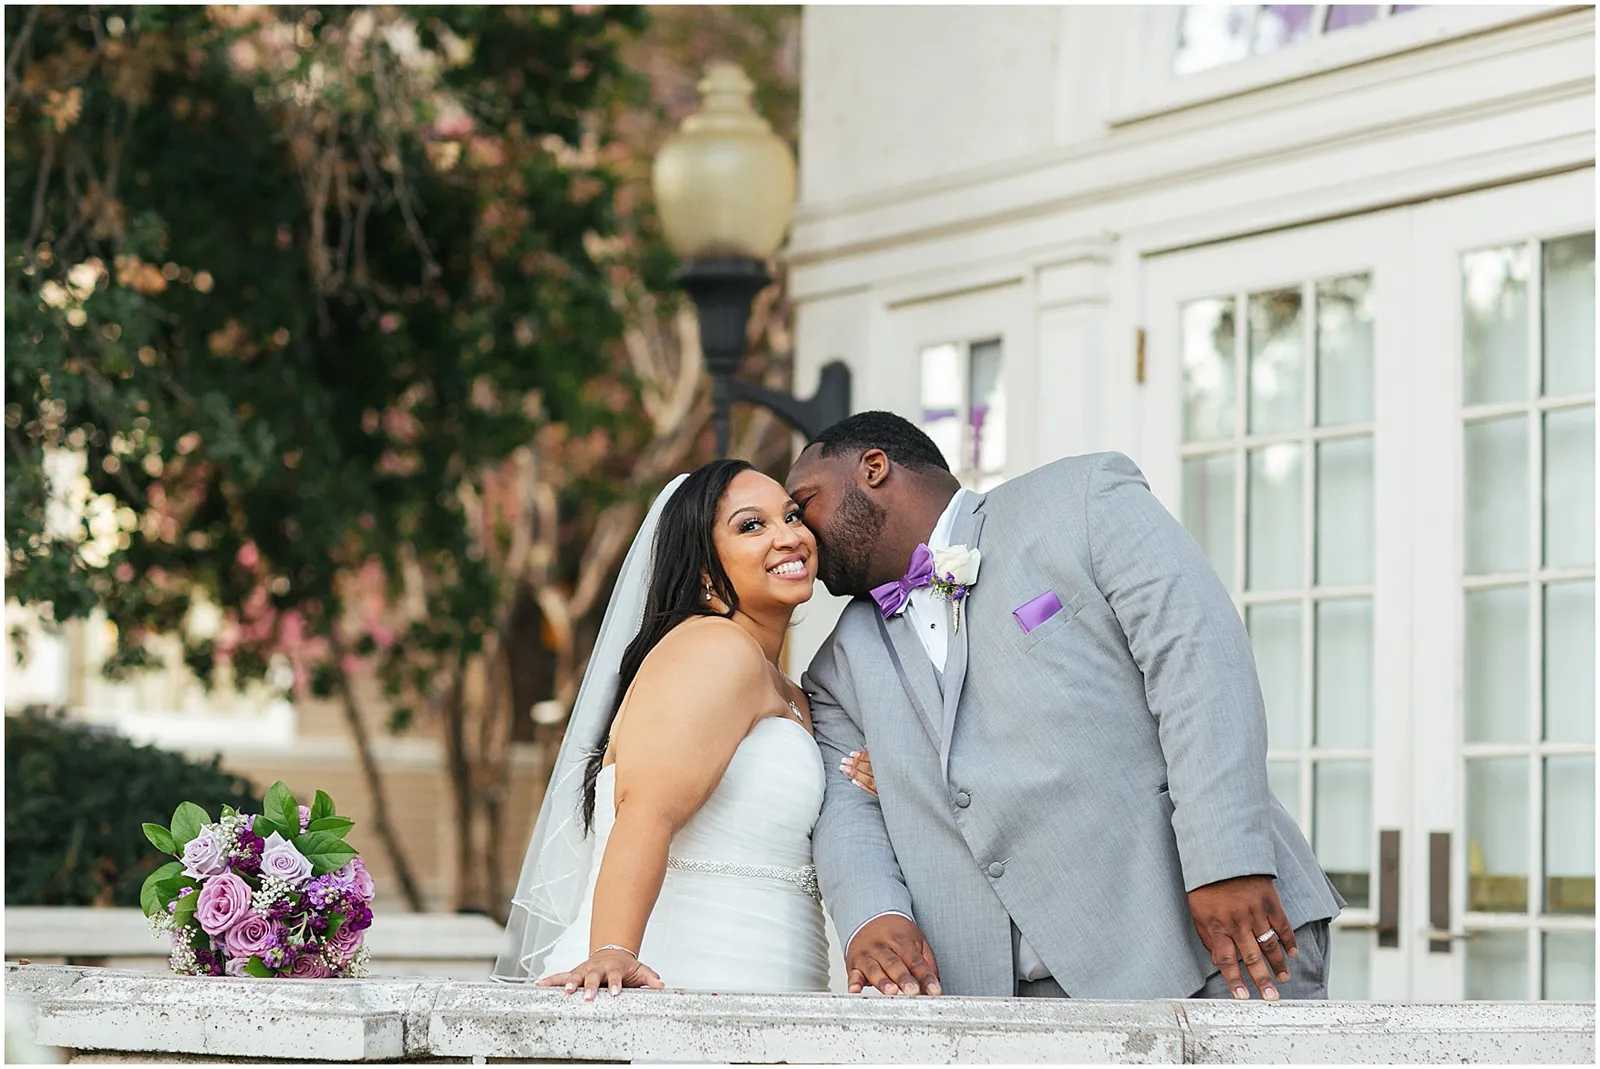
(929, 616)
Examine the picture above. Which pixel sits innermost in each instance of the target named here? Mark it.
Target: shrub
(76, 796)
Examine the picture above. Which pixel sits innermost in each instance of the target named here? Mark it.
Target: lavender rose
(235, 967)
(305, 817)
(224, 901)
(309, 967)
(252, 935)
(206, 854)
(282, 860)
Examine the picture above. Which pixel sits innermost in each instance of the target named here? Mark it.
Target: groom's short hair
(902, 441)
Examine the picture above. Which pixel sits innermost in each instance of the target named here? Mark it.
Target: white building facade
(1327, 274)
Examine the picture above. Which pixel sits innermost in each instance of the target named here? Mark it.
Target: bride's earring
(708, 591)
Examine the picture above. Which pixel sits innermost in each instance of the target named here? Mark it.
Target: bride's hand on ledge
(615, 969)
(858, 766)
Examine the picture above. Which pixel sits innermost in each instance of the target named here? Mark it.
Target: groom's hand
(891, 954)
(1231, 917)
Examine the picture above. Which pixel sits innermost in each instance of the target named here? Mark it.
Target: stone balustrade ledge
(108, 1015)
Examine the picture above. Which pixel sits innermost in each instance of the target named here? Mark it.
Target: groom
(1070, 761)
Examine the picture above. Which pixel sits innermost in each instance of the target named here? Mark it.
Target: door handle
(1440, 938)
(1389, 887)
(1441, 935)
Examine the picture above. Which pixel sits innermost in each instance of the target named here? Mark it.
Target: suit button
(963, 799)
(996, 870)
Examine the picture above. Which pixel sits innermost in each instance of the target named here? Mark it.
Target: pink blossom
(224, 900)
(248, 556)
(343, 945)
(355, 872)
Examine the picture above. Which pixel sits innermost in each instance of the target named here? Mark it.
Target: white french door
(1338, 413)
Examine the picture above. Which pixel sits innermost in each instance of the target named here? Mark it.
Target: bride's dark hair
(683, 550)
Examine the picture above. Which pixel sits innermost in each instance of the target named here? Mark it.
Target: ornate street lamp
(725, 185)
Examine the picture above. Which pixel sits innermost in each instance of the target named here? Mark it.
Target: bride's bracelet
(613, 946)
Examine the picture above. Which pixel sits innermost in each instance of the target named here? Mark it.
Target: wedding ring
(1267, 938)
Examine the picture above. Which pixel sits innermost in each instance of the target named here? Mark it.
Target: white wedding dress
(738, 910)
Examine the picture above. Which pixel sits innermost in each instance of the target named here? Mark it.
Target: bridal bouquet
(279, 893)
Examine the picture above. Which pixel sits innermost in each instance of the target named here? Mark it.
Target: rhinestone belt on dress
(804, 878)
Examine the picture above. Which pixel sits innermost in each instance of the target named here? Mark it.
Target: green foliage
(76, 800)
(290, 290)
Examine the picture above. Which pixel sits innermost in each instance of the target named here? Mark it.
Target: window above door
(1179, 56)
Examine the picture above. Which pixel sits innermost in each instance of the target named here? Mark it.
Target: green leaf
(149, 894)
(335, 922)
(264, 826)
(184, 914)
(229, 811)
(332, 825)
(187, 820)
(160, 838)
(321, 806)
(281, 808)
(256, 967)
(325, 851)
(200, 940)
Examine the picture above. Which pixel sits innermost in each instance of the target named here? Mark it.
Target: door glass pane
(942, 400)
(1344, 512)
(1276, 523)
(1208, 510)
(1497, 965)
(1277, 363)
(1344, 673)
(1569, 834)
(1495, 669)
(1497, 835)
(1344, 350)
(1569, 966)
(1569, 488)
(1208, 370)
(1284, 779)
(988, 415)
(1569, 315)
(1343, 16)
(1282, 24)
(1569, 707)
(1212, 34)
(1497, 495)
(1276, 638)
(1342, 827)
(1349, 965)
(1494, 301)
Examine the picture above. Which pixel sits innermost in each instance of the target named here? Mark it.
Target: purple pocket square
(1032, 613)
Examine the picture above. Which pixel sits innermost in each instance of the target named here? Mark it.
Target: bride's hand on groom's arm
(891, 954)
(858, 766)
(612, 969)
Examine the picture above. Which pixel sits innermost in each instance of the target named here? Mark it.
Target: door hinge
(1138, 357)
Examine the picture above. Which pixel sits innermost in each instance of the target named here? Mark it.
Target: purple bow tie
(892, 597)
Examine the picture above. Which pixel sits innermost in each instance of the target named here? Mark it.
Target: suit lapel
(915, 671)
(965, 530)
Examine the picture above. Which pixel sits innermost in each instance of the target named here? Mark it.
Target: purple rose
(235, 967)
(206, 854)
(309, 967)
(251, 935)
(282, 860)
(224, 901)
(354, 874)
(343, 946)
(305, 817)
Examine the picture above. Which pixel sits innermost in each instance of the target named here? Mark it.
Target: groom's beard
(845, 552)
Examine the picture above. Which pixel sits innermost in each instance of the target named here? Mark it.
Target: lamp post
(725, 184)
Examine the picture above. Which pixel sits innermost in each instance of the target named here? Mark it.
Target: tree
(291, 282)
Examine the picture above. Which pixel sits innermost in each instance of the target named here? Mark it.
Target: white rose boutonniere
(955, 570)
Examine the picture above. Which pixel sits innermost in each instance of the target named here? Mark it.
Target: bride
(674, 845)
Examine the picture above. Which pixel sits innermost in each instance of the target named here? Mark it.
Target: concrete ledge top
(101, 1010)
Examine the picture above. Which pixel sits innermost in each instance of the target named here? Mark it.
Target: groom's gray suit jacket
(1075, 780)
